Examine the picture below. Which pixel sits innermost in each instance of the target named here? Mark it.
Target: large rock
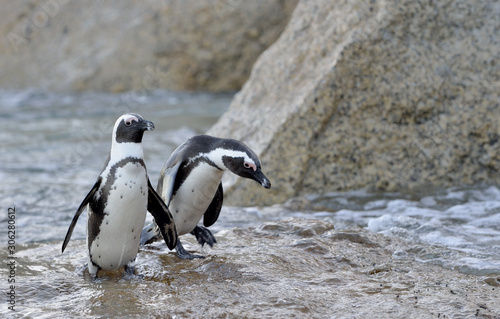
(385, 95)
(136, 45)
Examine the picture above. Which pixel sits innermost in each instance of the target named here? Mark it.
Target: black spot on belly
(132, 230)
(192, 191)
(98, 205)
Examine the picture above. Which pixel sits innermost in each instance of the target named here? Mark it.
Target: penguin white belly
(117, 243)
(194, 196)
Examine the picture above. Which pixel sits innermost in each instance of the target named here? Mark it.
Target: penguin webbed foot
(204, 236)
(129, 270)
(130, 273)
(93, 269)
(184, 254)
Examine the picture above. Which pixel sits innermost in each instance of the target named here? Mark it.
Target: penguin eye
(249, 165)
(130, 119)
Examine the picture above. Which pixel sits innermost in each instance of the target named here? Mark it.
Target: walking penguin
(118, 202)
(190, 184)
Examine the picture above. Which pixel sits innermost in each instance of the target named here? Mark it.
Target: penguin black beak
(266, 184)
(146, 125)
(260, 178)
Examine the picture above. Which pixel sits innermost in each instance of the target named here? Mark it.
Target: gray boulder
(384, 95)
(136, 45)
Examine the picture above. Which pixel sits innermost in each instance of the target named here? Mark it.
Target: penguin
(118, 202)
(190, 184)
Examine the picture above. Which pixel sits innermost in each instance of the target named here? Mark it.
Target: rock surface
(285, 269)
(136, 45)
(384, 95)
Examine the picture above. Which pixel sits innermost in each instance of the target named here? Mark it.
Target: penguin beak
(260, 178)
(147, 125)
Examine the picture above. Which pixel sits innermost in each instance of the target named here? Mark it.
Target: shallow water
(463, 222)
(292, 268)
(53, 147)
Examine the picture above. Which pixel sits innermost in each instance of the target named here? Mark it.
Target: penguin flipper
(162, 216)
(213, 210)
(167, 180)
(151, 232)
(79, 211)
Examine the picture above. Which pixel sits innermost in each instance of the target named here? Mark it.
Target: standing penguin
(118, 202)
(190, 184)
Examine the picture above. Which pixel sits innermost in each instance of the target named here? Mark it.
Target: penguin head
(129, 128)
(242, 161)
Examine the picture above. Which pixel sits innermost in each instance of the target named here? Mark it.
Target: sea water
(53, 147)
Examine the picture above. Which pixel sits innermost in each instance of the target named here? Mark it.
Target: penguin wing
(167, 180)
(79, 211)
(162, 216)
(213, 210)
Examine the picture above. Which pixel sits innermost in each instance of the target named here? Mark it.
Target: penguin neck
(123, 150)
(215, 157)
